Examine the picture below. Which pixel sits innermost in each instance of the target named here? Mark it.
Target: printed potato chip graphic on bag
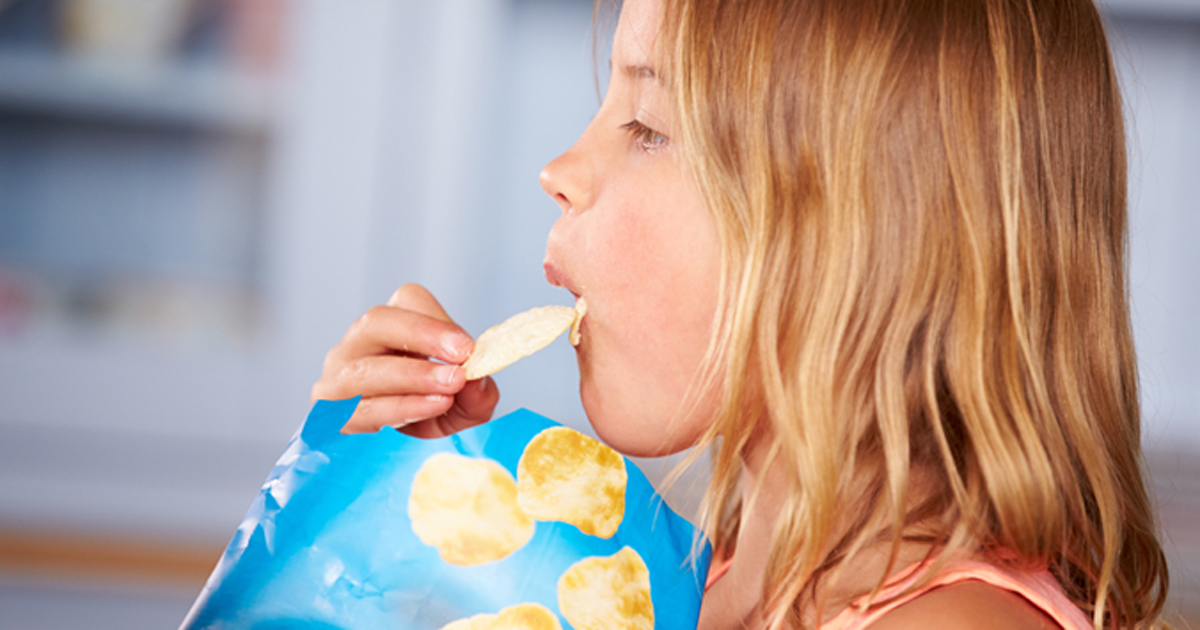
(567, 476)
(602, 593)
(519, 617)
(467, 509)
(393, 532)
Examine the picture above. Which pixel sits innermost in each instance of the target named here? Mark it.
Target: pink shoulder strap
(717, 569)
(1039, 589)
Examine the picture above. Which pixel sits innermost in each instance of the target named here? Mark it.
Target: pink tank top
(1039, 589)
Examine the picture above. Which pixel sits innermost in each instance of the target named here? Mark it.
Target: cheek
(652, 285)
(653, 293)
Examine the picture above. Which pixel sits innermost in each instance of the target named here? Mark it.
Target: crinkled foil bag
(329, 542)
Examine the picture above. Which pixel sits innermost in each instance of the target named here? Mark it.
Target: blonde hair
(922, 209)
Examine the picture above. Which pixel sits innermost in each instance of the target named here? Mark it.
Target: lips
(557, 278)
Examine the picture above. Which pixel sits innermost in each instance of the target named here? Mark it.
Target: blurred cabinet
(184, 225)
(134, 138)
(186, 228)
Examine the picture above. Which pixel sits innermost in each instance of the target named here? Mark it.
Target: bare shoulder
(970, 604)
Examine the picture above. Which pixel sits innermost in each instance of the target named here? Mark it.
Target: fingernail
(445, 374)
(455, 345)
(437, 398)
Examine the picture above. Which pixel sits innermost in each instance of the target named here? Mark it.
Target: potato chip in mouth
(518, 337)
(580, 312)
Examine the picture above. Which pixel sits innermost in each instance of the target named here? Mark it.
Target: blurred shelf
(69, 555)
(201, 96)
(1153, 9)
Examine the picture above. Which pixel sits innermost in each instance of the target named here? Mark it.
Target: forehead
(637, 30)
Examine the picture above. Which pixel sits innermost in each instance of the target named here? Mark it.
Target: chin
(634, 432)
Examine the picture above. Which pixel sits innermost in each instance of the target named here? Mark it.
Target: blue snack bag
(518, 522)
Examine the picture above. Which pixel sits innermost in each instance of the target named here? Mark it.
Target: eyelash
(647, 139)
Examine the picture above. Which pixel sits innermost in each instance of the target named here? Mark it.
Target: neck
(736, 599)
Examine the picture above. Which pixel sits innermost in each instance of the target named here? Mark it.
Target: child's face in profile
(636, 240)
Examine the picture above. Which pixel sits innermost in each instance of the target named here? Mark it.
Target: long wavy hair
(922, 206)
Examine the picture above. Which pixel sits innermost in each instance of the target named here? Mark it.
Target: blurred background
(197, 197)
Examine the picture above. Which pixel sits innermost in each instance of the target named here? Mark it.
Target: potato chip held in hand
(466, 507)
(600, 593)
(564, 475)
(529, 616)
(518, 337)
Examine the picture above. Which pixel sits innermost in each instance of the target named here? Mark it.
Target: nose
(568, 179)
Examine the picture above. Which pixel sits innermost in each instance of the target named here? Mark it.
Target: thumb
(472, 406)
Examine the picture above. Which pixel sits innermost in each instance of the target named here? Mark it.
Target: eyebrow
(637, 71)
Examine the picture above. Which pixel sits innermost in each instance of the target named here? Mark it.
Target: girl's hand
(386, 357)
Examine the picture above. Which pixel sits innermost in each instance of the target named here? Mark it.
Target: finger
(388, 375)
(385, 329)
(477, 399)
(415, 297)
(372, 414)
(472, 406)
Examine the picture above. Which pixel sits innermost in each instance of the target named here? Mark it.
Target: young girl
(872, 254)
